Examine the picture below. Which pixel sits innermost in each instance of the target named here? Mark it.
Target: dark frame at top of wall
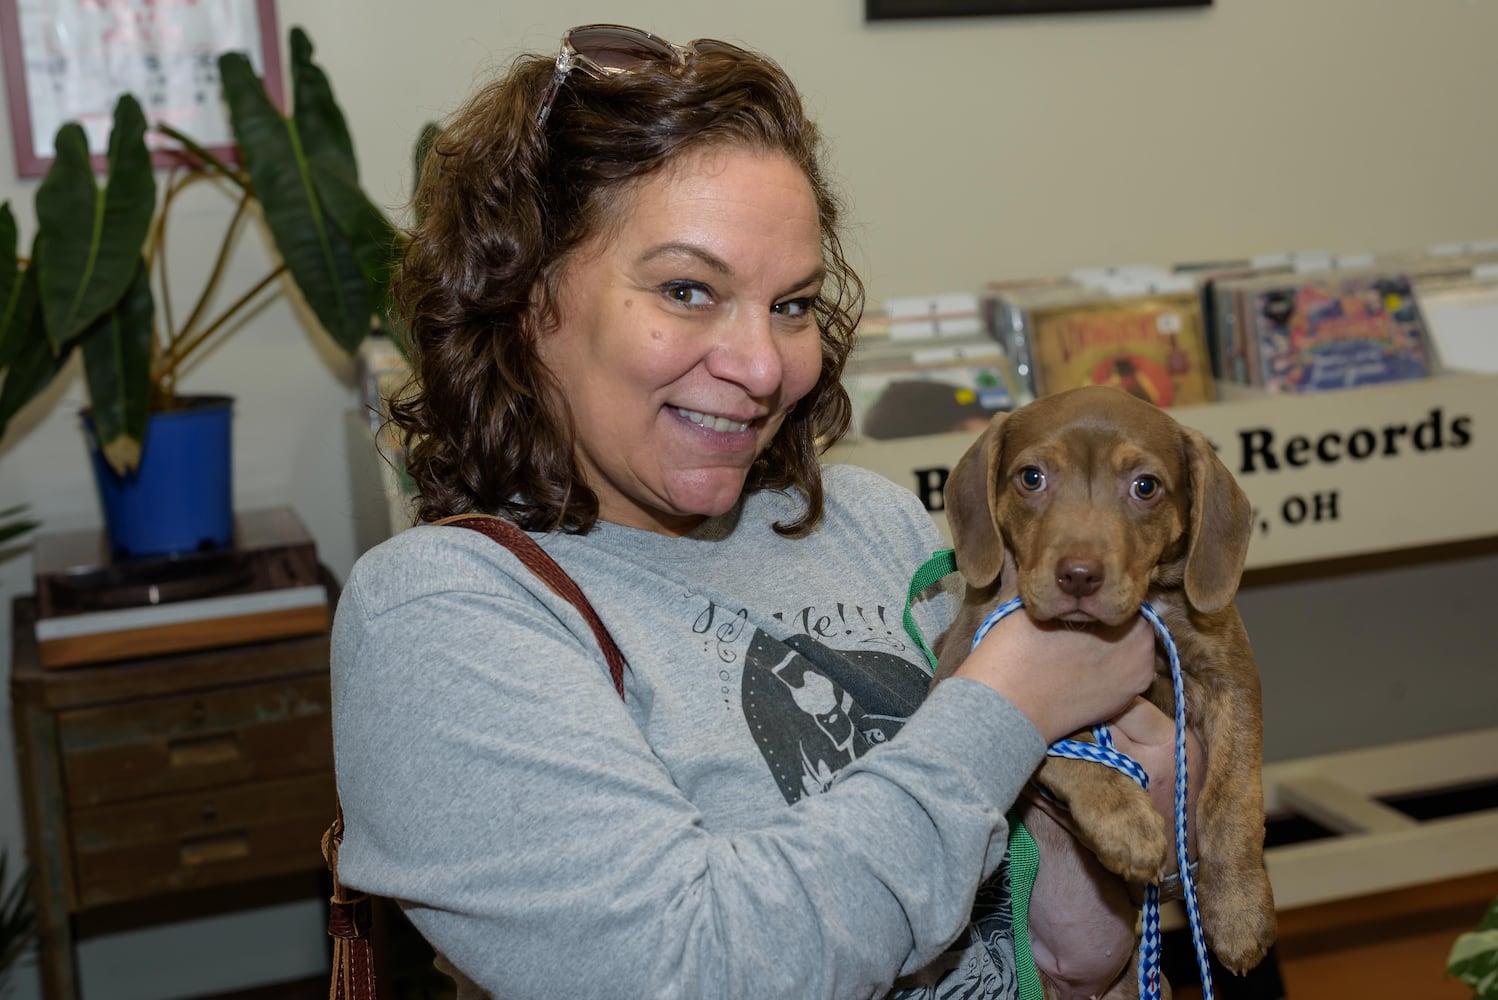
(887, 10)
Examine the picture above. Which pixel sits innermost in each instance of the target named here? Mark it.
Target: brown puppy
(1096, 501)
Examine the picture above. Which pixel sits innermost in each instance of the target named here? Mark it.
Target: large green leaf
(32, 366)
(17, 295)
(315, 112)
(318, 255)
(372, 238)
(1474, 956)
(91, 238)
(324, 134)
(117, 365)
(11, 525)
(26, 376)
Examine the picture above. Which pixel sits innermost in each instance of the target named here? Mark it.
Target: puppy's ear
(970, 495)
(1221, 524)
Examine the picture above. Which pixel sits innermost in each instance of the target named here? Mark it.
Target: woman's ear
(970, 494)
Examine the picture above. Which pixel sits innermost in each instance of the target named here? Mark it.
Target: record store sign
(1329, 475)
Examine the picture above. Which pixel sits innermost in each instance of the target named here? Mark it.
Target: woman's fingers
(1063, 676)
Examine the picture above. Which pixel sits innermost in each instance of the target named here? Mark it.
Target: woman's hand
(1064, 677)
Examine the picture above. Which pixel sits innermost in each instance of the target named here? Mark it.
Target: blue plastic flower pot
(181, 498)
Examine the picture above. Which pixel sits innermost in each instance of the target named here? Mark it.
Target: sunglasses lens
(703, 46)
(618, 48)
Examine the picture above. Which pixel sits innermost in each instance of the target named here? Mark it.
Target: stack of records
(1310, 323)
(1319, 330)
(91, 608)
(1227, 364)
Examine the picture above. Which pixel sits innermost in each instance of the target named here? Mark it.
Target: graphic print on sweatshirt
(813, 709)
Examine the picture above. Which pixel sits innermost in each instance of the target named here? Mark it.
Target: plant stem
(236, 177)
(155, 249)
(211, 285)
(180, 351)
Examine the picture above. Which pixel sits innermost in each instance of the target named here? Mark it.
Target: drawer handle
(201, 751)
(219, 847)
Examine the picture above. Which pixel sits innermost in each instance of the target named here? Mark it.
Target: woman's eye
(688, 293)
(1031, 478)
(1145, 488)
(793, 308)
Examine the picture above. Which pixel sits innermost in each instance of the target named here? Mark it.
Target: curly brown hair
(501, 203)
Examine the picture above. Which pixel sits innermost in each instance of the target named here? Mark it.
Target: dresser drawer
(139, 849)
(162, 746)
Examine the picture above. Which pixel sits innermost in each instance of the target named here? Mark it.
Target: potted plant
(96, 264)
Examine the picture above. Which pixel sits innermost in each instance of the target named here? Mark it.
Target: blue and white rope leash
(1103, 752)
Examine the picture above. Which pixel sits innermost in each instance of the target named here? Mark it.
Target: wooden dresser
(164, 774)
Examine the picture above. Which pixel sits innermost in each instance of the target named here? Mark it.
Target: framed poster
(70, 60)
(881, 10)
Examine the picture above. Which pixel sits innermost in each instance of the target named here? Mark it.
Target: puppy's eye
(1145, 488)
(1031, 478)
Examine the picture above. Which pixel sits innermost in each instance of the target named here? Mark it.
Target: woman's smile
(707, 421)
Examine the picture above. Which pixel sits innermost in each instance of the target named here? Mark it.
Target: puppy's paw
(1125, 832)
(1237, 908)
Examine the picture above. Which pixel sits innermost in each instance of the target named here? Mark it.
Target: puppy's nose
(1079, 577)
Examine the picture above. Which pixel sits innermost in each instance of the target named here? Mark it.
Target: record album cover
(1150, 345)
(1335, 330)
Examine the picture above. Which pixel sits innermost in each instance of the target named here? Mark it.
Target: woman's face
(685, 335)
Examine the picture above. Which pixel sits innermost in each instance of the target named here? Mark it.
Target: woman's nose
(749, 354)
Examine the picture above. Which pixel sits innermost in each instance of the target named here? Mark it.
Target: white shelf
(1330, 475)
(1378, 848)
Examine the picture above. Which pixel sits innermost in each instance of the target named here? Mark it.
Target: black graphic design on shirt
(814, 710)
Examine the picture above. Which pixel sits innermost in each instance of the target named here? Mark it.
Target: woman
(629, 313)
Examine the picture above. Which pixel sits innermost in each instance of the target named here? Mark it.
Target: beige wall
(1247, 127)
(978, 148)
(969, 150)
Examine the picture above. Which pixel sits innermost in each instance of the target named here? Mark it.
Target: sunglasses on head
(602, 50)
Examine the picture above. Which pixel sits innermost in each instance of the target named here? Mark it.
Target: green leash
(1024, 858)
(1024, 863)
(943, 562)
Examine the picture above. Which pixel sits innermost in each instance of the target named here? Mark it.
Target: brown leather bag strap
(545, 567)
(349, 914)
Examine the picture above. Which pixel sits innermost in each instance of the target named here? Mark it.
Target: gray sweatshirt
(765, 813)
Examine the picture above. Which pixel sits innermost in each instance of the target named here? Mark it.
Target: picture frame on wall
(71, 60)
(881, 10)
